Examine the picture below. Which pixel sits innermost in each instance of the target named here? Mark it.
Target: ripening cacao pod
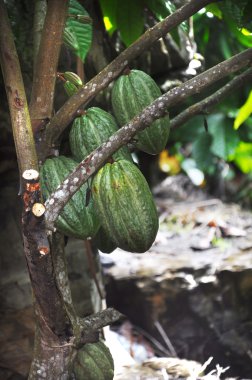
(132, 92)
(92, 129)
(94, 362)
(75, 219)
(125, 206)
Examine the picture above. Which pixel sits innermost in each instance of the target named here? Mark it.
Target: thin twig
(154, 111)
(203, 107)
(166, 339)
(159, 347)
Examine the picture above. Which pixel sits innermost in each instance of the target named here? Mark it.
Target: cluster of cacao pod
(121, 212)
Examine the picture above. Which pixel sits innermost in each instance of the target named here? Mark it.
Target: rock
(201, 298)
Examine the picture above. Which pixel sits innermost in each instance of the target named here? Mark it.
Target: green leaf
(109, 11)
(215, 10)
(243, 157)
(234, 9)
(201, 151)
(225, 139)
(79, 32)
(244, 112)
(130, 20)
(189, 131)
(247, 16)
(162, 9)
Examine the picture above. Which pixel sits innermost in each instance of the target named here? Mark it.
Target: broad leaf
(78, 32)
(189, 131)
(225, 139)
(162, 9)
(130, 20)
(244, 112)
(201, 151)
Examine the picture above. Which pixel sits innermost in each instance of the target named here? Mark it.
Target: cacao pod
(125, 206)
(131, 93)
(75, 219)
(70, 88)
(91, 130)
(73, 78)
(94, 362)
(104, 242)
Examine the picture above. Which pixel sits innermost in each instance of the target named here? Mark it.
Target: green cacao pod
(125, 206)
(131, 93)
(94, 362)
(75, 219)
(91, 130)
(104, 242)
(70, 88)
(73, 78)
(72, 82)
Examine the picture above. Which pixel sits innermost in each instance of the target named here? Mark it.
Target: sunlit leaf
(215, 10)
(243, 157)
(78, 30)
(244, 112)
(109, 10)
(168, 164)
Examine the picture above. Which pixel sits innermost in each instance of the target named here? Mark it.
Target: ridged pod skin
(75, 219)
(70, 88)
(89, 131)
(94, 362)
(125, 206)
(104, 242)
(131, 93)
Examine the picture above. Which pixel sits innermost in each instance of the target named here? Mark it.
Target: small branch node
(38, 209)
(30, 175)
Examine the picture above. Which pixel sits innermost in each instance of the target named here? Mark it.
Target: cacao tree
(67, 346)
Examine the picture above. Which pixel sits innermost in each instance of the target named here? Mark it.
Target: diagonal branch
(154, 111)
(20, 118)
(41, 105)
(203, 107)
(91, 324)
(67, 113)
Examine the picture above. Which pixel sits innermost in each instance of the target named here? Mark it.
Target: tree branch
(68, 111)
(204, 106)
(154, 111)
(93, 323)
(23, 136)
(41, 105)
(38, 23)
